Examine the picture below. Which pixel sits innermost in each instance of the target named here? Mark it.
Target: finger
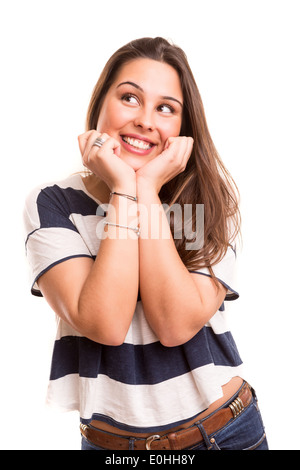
(108, 146)
(108, 143)
(181, 151)
(187, 151)
(168, 142)
(88, 142)
(92, 150)
(82, 140)
(190, 144)
(97, 141)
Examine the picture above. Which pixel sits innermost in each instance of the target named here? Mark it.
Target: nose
(144, 119)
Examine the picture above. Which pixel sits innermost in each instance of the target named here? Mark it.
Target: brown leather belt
(183, 439)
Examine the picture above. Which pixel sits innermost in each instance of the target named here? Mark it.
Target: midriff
(228, 391)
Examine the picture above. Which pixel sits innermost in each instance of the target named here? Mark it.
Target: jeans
(245, 432)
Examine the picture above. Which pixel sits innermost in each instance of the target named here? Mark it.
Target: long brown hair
(205, 179)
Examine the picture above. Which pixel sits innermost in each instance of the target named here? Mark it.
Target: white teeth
(137, 143)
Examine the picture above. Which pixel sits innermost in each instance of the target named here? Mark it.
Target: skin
(144, 101)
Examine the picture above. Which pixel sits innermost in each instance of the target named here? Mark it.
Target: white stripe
(47, 246)
(143, 406)
(225, 269)
(64, 329)
(139, 330)
(218, 323)
(90, 229)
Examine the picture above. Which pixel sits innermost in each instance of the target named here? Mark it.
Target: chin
(135, 163)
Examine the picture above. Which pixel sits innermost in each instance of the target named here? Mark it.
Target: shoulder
(54, 197)
(73, 182)
(68, 192)
(47, 187)
(225, 272)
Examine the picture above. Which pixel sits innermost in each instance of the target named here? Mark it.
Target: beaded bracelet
(132, 198)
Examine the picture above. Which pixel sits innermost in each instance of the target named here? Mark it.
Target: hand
(105, 161)
(168, 164)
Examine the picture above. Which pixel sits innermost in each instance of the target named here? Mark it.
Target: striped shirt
(140, 385)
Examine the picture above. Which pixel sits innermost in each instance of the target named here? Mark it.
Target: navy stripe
(142, 364)
(55, 205)
(128, 428)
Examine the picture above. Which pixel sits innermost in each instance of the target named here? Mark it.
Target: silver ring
(99, 142)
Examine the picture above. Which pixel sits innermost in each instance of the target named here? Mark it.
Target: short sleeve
(50, 235)
(225, 272)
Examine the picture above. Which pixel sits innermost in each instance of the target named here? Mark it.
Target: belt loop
(253, 392)
(173, 441)
(204, 435)
(131, 443)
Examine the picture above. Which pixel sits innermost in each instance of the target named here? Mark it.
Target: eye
(166, 109)
(130, 98)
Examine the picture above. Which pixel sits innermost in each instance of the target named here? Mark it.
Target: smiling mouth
(137, 143)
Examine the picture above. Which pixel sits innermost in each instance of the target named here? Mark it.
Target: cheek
(171, 129)
(112, 118)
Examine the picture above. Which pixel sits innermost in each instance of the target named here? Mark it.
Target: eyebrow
(141, 89)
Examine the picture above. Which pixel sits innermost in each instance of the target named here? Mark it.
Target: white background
(245, 57)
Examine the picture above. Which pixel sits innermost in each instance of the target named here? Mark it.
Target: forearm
(170, 298)
(109, 295)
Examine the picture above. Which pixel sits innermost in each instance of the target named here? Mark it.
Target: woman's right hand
(105, 161)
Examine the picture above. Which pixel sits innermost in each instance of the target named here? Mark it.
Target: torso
(101, 192)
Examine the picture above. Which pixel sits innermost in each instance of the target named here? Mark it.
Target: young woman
(143, 350)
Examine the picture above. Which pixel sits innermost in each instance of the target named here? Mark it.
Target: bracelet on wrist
(132, 198)
(134, 229)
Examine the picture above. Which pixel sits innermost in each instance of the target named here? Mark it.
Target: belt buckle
(150, 439)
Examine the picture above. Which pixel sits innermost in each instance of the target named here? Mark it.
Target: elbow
(111, 341)
(178, 334)
(171, 339)
(105, 324)
(169, 343)
(110, 337)
(109, 332)
(112, 334)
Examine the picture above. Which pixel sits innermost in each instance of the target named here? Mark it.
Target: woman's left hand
(168, 164)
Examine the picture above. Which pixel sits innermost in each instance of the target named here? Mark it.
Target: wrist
(122, 210)
(145, 187)
(128, 188)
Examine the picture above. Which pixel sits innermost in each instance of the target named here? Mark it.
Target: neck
(97, 188)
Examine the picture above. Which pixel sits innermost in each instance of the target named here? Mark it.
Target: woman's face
(142, 109)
